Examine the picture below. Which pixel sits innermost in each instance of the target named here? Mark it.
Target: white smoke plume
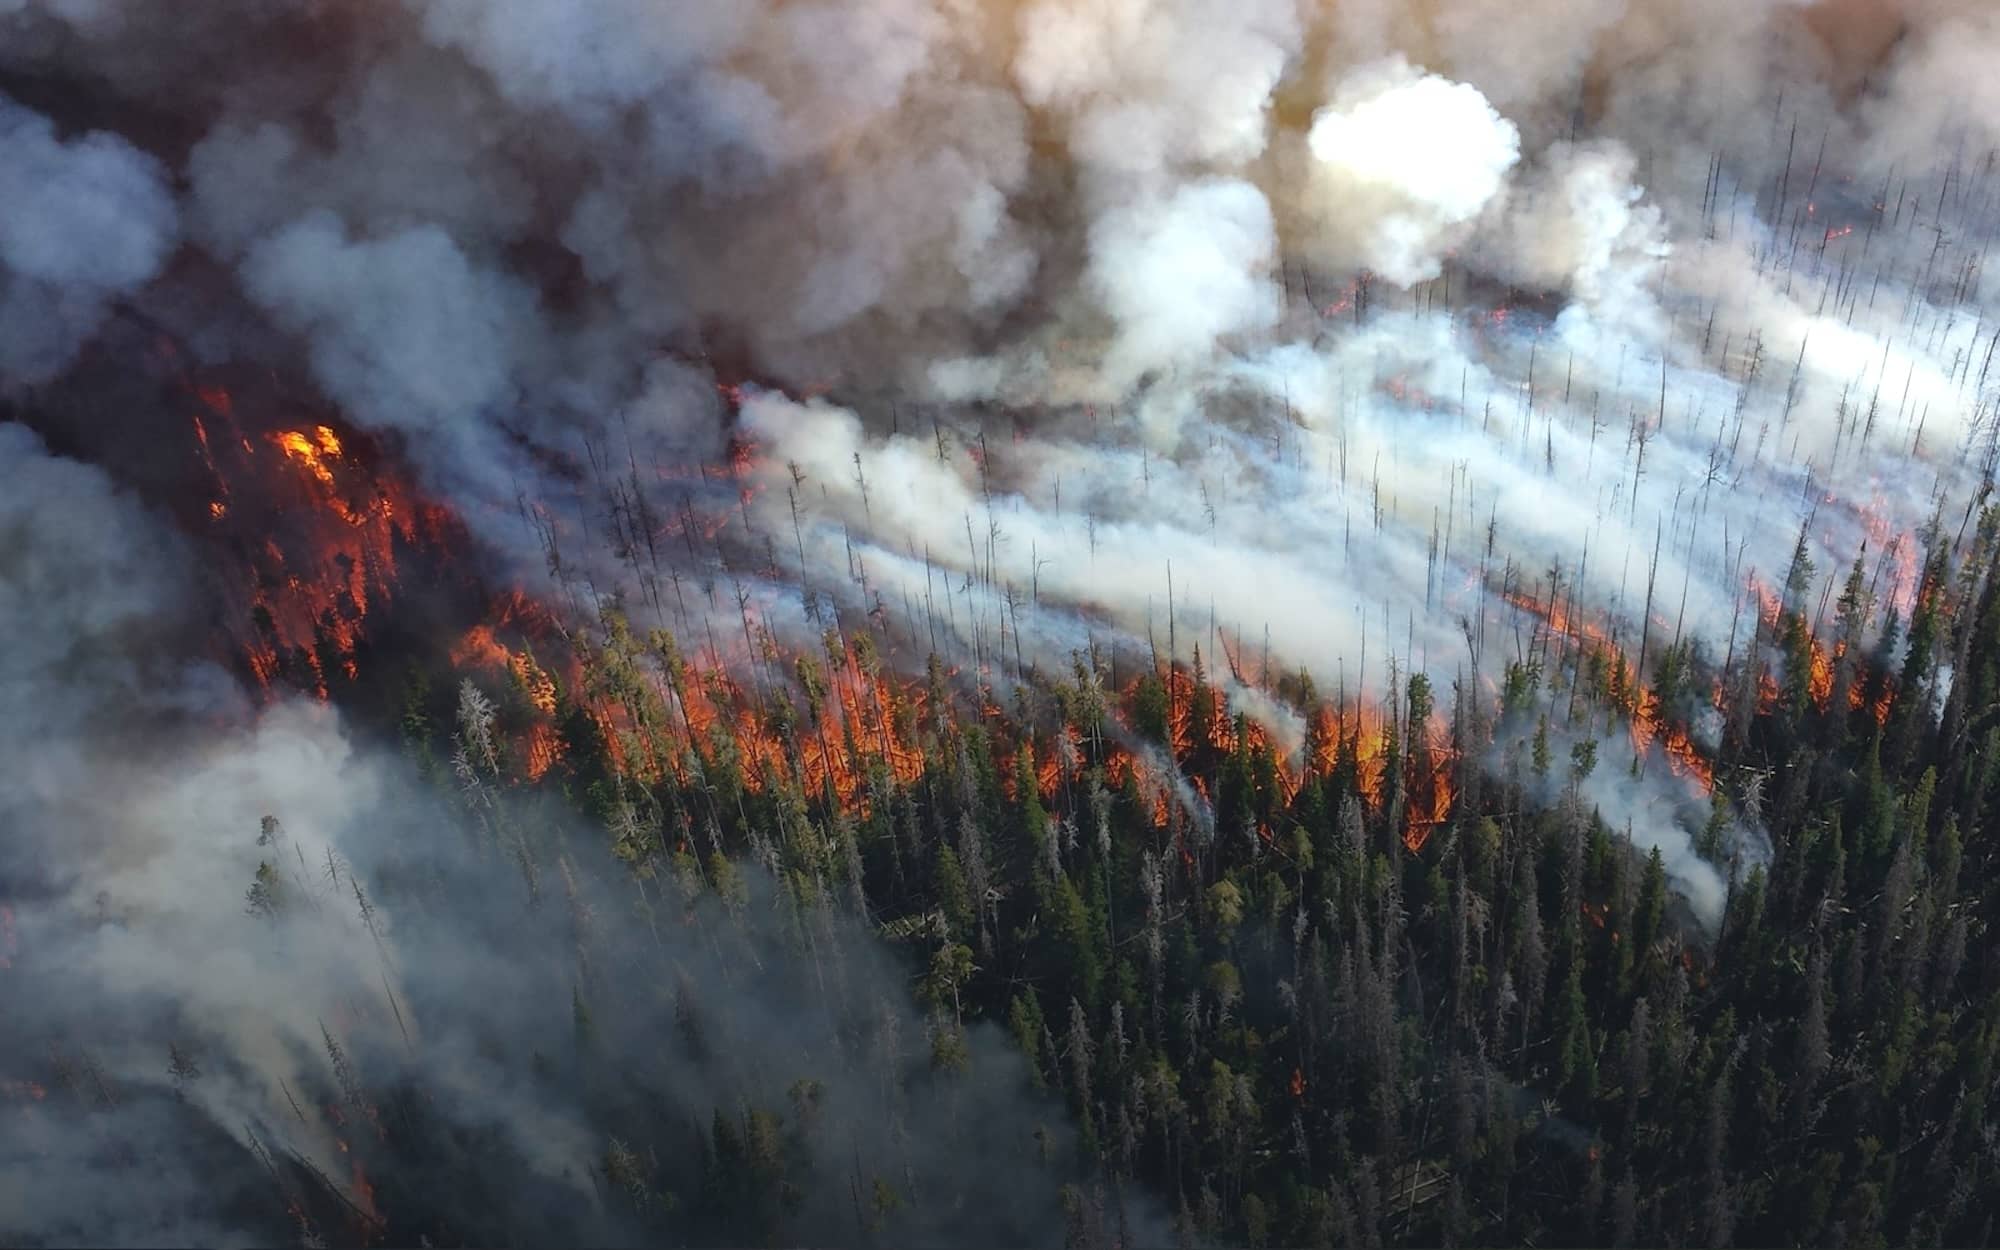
(1402, 164)
(1177, 277)
(1155, 85)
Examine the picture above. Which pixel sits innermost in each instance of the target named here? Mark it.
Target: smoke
(138, 817)
(1158, 84)
(406, 334)
(1580, 223)
(88, 220)
(1179, 276)
(1402, 163)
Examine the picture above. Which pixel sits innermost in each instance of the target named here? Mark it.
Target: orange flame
(543, 750)
(317, 548)
(1649, 723)
(311, 453)
(479, 648)
(364, 1191)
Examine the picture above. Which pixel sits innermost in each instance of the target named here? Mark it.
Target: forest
(1331, 1007)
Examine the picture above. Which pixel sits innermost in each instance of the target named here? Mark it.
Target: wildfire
(364, 1191)
(1819, 683)
(479, 647)
(1049, 774)
(1822, 663)
(1767, 693)
(1685, 761)
(1427, 812)
(1557, 620)
(1649, 723)
(1123, 766)
(311, 450)
(23, 1091)
(544, 749)
(535, 682)
(857, 723)
(1201, 729)
(311, 550)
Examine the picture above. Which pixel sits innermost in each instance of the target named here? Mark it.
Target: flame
(544, 749)
(1685, 761)
(479, 648)
(309, 552)
(1430, 806)
(1767, 693)
(1819, 684)
(312, 454)
(538, 685)
(1049, 774)
(364, 1191)
(1649, 724)
(1361, 733)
